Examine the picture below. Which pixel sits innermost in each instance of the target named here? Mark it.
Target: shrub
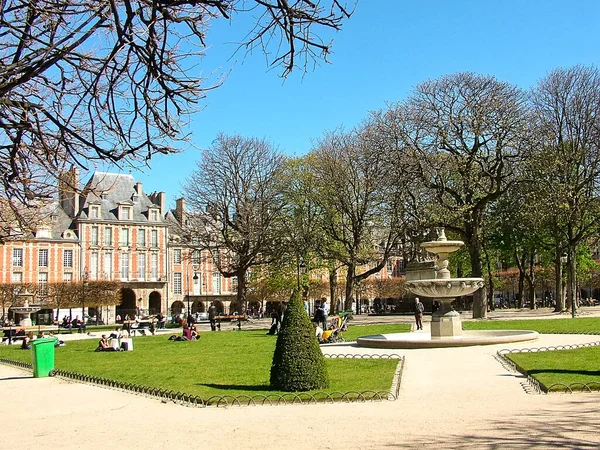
(298, 363)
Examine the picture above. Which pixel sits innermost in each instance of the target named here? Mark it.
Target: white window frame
(67, 258)
(176, 256)
(141, 266)
(124, 237)
(43, 257)
(177, 283)
(17, 257)
(154, 266)
(93, 273)
(43, 284)
(94, 235)
(154, 238)
(108, 265)
(124, 267)
(141, 237)
(108, 236)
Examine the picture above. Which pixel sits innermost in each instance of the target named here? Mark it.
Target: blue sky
(382, 52)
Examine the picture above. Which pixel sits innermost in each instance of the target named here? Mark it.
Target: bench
(141, 327)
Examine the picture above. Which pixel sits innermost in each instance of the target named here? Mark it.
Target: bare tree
(464, 133)
(361, 204)
(115, 80)
(567, 108)
(235, 205)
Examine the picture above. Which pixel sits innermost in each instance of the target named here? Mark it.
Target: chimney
(68, 191)
(159, 199)
(180, 210)
(138, 188)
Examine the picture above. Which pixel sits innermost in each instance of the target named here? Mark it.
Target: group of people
(189, 333)
(69, 324)
(110, 343)
(29, 337)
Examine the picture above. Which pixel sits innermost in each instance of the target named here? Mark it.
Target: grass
(579, 325)
(553, 367)
(226, 363)
(561, 367)
(355, 331)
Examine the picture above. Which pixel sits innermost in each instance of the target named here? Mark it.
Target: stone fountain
(25, 310)
(446, 327)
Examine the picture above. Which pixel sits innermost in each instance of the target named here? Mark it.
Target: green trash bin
(43, 356)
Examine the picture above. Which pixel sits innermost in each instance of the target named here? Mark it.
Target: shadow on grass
(238, 387)
(591, 373)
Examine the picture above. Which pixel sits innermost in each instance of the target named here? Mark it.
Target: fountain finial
(441, 234)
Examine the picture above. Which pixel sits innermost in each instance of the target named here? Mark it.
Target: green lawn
(562, 367)
(226, 363)
(566, 366)
(355, 331)
(579, 325)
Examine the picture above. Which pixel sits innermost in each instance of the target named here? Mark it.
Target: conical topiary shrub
(298, 363)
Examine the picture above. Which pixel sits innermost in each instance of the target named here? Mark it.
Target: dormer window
(153, 215)
(125, 213)
(43, 233)
(94, 212)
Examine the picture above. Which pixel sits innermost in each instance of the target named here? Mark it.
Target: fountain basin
(443, 246)
(423, 339)
(444, 287)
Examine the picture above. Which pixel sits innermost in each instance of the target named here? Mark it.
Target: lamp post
(195, 277)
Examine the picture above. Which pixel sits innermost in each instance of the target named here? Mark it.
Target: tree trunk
(241, 291)
(333, 283)
(349, 287)
(479, 296)
(559, 298)
(490, 279)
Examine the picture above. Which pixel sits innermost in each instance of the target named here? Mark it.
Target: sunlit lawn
(561, 366)
(548, 368)
(579, 325)
(222, 363)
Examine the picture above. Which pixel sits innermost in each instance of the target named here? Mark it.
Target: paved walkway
(449, 398)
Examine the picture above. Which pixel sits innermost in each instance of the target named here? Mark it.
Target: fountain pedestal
(445, 325)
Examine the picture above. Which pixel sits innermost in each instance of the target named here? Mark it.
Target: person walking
(419, 309)
(212, 312)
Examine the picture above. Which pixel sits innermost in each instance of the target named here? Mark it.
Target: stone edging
(242, 400)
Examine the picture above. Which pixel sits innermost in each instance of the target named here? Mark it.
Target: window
(141, 237)
(43, 284)
(68, 276)
(154, 238)
(43, 257)
(94, 266)
(216, 283)
(108, 266)
(390, 268)
(108, 236)
(177, 256)
(153, 215)
(94, 212)
(94, 236)
(17, 277)
(68, 258)
(124, 237)
(124, 266)
(195, 257)
(125, 213)
(177, 283)
(18, 257)
(141, 266)
(43, 233)
(154, 266)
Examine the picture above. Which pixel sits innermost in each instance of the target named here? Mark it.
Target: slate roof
(109, 190)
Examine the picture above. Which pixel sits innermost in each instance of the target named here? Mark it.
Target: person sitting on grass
(104, 345)
(26, 345)
(186, 336)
